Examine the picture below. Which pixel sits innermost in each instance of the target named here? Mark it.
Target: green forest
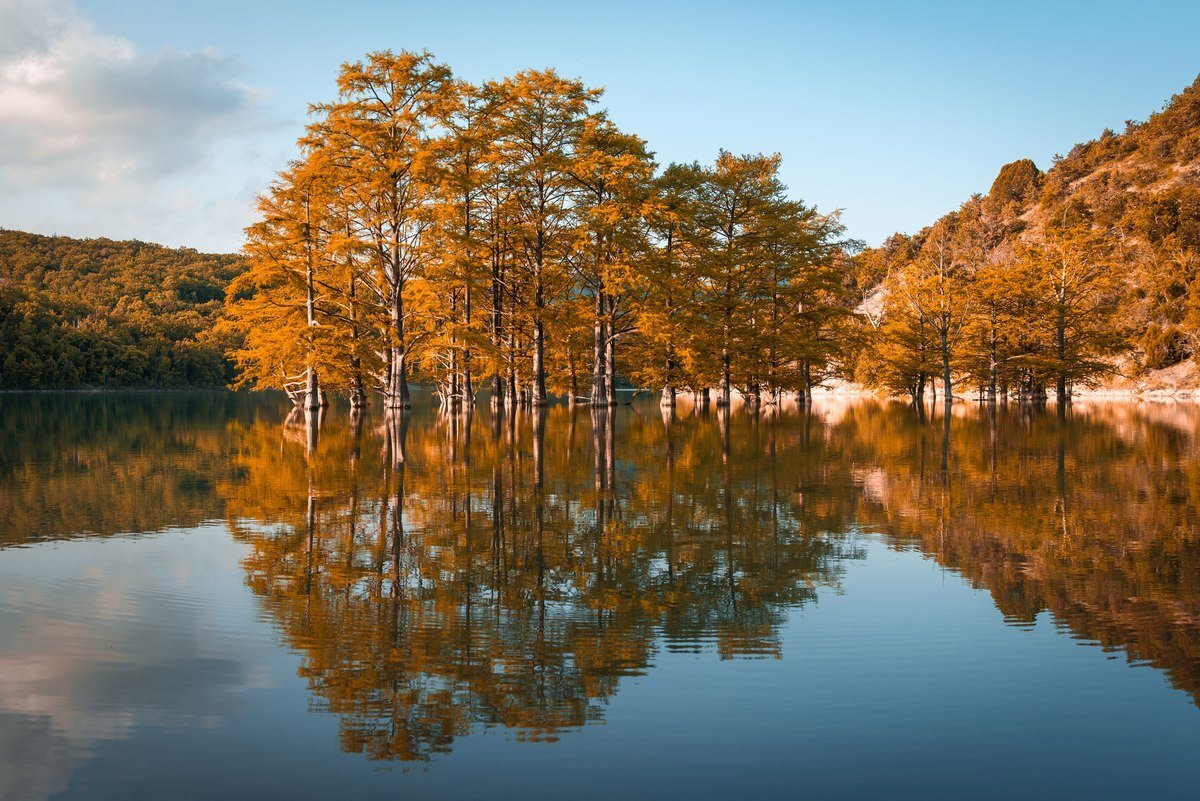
(508, 236)
(97, 313)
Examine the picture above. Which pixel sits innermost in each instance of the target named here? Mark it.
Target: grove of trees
(1050, 280)
(510, 235)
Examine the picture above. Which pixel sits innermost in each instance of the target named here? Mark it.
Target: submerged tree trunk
(467, 388)
(513, 388)
(358, 392)
(497, 389)
(991, 386)
(449, 390)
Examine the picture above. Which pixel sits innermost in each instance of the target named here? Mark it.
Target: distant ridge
(104, 313)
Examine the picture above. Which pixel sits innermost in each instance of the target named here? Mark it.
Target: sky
(161, 120)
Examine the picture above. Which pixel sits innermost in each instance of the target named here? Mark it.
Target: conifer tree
(540, 122)
(613, 170)
(276, 304)
(382, 125)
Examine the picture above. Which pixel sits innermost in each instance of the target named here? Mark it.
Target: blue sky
(177, 113)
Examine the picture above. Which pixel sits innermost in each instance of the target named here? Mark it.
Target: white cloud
(101, 137)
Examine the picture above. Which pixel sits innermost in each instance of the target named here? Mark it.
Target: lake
(202, 596)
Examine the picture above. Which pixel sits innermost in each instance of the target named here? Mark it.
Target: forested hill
(1128, 201)
(101, 313)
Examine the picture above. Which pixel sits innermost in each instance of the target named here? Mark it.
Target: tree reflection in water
(484, 569)
(438, 573)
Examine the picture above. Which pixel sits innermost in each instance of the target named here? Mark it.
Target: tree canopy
(511, 235)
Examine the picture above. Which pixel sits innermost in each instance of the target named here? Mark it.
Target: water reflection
(439, 573)
(1091, 518)
(509, 569)
(77, 463)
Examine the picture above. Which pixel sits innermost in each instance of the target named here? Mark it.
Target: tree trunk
(610, 354)
(398, 397)
(539, 304)
(539, 352)
(397, 392)
(312, 390)
(497, 326)
(725, 390)
(539, 362)
(599, 368)
(358, 393)
(947, 389)
(993, 366)
(467, 387)
(497, 390)
(514, 386)
(1060, 335)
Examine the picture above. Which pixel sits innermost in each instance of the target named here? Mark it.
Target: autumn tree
(1074, 295)
(994, 334)
(613, 170)
(276, 303)
(667, 284)
(462, 172)
(803, 301)
(540, 123)
(382, 126)
(732, 215)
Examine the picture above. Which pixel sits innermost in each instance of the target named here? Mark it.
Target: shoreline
(1153, 395)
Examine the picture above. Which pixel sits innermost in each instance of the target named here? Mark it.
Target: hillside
(102, 313)
(1131, 198)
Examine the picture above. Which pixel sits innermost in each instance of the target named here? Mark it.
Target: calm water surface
(202, 598)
